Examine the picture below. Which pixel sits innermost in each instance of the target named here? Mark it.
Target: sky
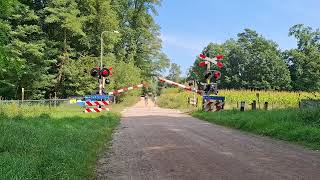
(187, 26)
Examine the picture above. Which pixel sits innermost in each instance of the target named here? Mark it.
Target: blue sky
(187, 26)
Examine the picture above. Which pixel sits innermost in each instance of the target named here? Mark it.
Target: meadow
(177, 99)
(39, 142)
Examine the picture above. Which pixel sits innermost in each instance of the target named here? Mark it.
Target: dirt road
(155, 143)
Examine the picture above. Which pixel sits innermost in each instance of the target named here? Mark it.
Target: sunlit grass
(177, 99)
(39, 142)
(294, 125)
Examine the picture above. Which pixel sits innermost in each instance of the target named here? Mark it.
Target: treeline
(254, 62)
(49, 46)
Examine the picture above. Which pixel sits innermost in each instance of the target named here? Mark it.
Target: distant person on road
(155, 100)
(146, 99)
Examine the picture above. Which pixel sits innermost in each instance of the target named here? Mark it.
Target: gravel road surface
(154, 143)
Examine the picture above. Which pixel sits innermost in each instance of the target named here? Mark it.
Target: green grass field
(37, 142)
(294, 125)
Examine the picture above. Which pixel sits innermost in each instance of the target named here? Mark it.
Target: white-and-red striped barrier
(95, 110)
(187, 88)
(116, 92)
(101, 103)
(219, 106)
(208, 106)
(213, 106)
(97, 103)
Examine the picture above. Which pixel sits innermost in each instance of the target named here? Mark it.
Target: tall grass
(294, 125)
(38, 142)
(277, 98)
(177, 99)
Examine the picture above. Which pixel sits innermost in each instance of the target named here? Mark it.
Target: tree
(64, 27)
(48, 46)
(265, 68)
(6, 85)
(140, 42)
(304, 62)
(174, 72)
(26, 48)
(251, 61)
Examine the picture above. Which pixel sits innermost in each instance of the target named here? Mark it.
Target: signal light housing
(106, 72)
(94, 72)
(219, 64)
(208, 75)
(219, 57)
(202, 56)
(203, 63)
(217, 75)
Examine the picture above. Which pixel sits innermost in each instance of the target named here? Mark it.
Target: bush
(309, 116)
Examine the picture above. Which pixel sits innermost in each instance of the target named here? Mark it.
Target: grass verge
(37, 142)
(294, 125)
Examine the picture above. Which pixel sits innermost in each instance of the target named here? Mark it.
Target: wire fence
(47, 102)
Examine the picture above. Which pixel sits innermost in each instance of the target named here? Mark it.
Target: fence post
(266, 106)
(254, 105)
(242, 105)
(22, 95)
(50, 99)
(55, 99)
(258, 96)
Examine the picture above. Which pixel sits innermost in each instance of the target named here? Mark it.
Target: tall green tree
(6, 86)
(174, 72)
(140, 42)
(50, 46)
(26, 48)
(251, 61)
(64, 27)
(304, 62)
(265, 67)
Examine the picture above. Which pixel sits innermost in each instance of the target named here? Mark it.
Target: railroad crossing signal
(107, 81)
(212, 74)
(94, 72)
(105, 72)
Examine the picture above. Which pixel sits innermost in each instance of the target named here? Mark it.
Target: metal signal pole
(101, 80)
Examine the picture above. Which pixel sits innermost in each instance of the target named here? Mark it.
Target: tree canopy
(254, 62)
(50, 46)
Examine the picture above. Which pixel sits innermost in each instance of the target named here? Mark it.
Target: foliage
(46, 45)
(304, 62)
(251, 62)
(276, 98)
(176, 98)
(41, 143)
(174, 72)
(289, 124)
